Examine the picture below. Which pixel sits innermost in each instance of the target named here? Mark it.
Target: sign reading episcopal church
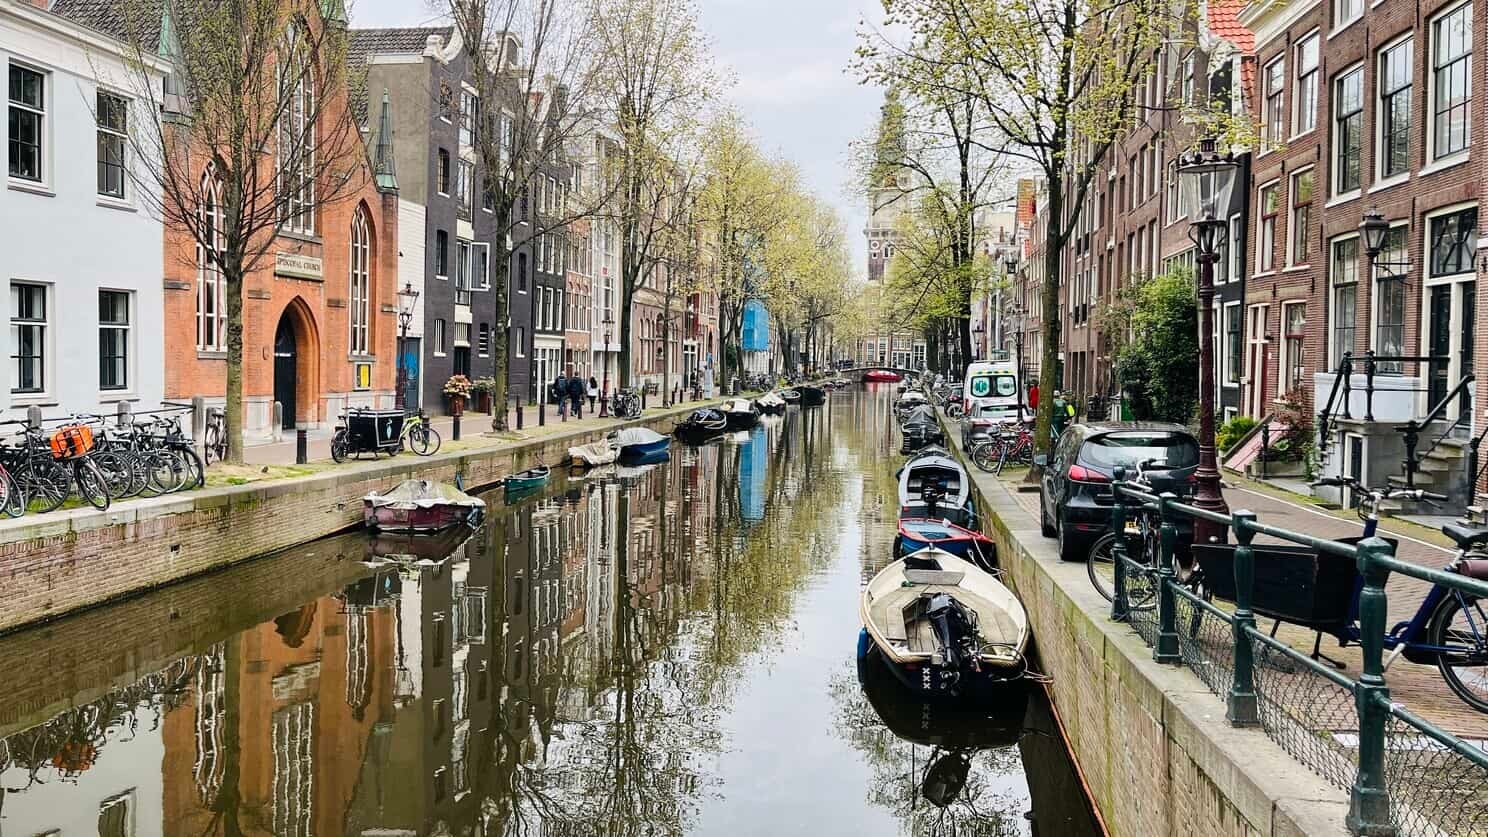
(298, 267)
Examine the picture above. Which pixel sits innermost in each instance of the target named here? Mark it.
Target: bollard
(198, 417)
(1265, 448)
(1118, 549)
(1369, 798)
(278, 420)
(542, 412)
(122, 416)
(302, 447)
(455, 432)
(1240, 704)
(33, 417)
(518, 400)
(1165, 649)
(644, 390)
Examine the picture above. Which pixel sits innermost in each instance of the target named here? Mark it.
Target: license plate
(1131, 528)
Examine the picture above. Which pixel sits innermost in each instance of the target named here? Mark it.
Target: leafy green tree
(1157, 357)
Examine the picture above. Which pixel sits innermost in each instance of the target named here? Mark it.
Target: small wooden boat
(602, 452)
(996, 721)
(636, 442)
(881, 376)
(421, 506)
(528, 480)
(741, 414)
(944, 627)
(917, 533)
(791, 396)
(770, 404)
(700, 426)
(813, 396)
(409, 548)
(933, 485)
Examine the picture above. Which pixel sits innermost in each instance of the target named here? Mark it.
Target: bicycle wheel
(118, 470)
(1461, 623)
(1101, 566)
(161, 473)
(15, 496)
(194, 472)
(211, 442)
(338, 446)
(45, 483)
(985, 455)
(424, 440)
(92, 485)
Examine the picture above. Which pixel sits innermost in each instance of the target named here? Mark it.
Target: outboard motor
(945, 779)
(954, 631)
(932, 494)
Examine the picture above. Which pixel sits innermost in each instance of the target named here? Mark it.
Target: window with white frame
(465, 188)
(442, 173)
(1294, 342)
(1453, 242)
(1348, 130)
(1174, 210)
(1274, 123)
(1305, 99)
(1346, 12)
(1389, 299)
(441, 254)
(1299, 226)
(1394, 111)
(113, 340)
(469, 118)
(1237, 247)
(1270, 206)
(464, 268)
(483, 341)
(211, 287)
(112, 115)
(1343, 277)
(116, 816)
(440, 348)
(26, 120)
(1451, 81)
(1233, 351)
(360, 284)
(297, 136)
(28, 337)
(520, 341)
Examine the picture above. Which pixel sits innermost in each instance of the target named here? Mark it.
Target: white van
(991, 390)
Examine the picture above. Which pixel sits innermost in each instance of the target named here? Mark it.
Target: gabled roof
(1224, 21)
(368, 42)
(130, 21)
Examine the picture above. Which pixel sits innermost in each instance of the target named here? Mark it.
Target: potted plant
(484, 390)
(456, 391)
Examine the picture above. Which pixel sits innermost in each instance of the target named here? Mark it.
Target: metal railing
(1412, 429)
(1343, 385)
(1404, 774)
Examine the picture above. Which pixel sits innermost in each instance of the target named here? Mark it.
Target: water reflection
(570, 668)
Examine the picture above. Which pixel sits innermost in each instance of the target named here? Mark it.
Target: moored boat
(916, 533)
(602, 452)
(527, 480)
(420, 506)
(813, 396)
(791, 396)
(635, 442)
(934, 485)
(740, 413)
(700, 426)
(770, 404)
(883, 376)
(411, 548)
(942, 626)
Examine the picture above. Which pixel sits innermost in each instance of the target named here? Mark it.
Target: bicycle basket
(72, 441)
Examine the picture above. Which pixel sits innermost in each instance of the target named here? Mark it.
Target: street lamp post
(1207, 178)
(979, 352)
(604, 390)
(407, 298)
(1014, 319)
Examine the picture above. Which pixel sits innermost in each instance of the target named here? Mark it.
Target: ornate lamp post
(978, 351)
(1207, 178)
(407, 298)
(604, 390)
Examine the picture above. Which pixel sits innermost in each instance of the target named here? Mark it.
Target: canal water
(652, 651)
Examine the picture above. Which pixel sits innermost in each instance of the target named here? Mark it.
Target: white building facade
(83, 249)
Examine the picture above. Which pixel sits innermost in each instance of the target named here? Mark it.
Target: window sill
(1265, 274)
(113, 397)
(308, 238)
(1296, 268)
(1294, 137)
(1389, 183)
(31, 188)
(356, 358)
(115, 203)
(1344, 27)
(32, 400)
(203, 354)
(1340, 200)
(1444, 164)
(441, 278)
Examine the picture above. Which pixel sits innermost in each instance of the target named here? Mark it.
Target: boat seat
(950, 578)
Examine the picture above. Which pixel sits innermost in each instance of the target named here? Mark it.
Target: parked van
(991, 390)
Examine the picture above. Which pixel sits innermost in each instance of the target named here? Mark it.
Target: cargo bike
(371, 431)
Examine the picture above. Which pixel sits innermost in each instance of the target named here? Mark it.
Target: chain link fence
(1433, 789)
(1205, 639)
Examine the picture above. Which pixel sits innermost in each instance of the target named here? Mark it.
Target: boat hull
(694, 434)
(400, 518)
(742, 421)
(881, 376)
(630, 452)
(939, 682)
(813, 396)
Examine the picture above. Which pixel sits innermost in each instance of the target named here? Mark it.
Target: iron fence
(1404, 775)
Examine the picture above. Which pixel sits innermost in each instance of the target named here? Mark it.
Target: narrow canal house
(1361, 110)
(319, 313)
(86, 322)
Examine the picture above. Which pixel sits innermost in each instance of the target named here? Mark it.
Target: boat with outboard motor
(770, 404)
(916, 533)
(881, 376)
(932, 484)
(421, 506)
(700, 426)
(943, 626)
(791, 396)
(740, 413)
(594, 454)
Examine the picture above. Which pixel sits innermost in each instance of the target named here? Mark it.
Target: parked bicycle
(214, 436)
(1141, 532)
(419, 435)
(625, 404)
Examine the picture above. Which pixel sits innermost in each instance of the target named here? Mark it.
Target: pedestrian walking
(593, 392)
(559, 392)
(576, 395)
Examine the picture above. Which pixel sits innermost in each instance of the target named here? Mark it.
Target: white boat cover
(738, 405)
(770, 399)
(602, 452)
(912, 481)
(424, 494)
(637, 436)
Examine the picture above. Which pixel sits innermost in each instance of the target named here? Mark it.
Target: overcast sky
(789, 60)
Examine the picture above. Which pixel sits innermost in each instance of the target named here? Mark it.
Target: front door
(285, 377)
(412, 398)
(1439, 330)
(1256, 351)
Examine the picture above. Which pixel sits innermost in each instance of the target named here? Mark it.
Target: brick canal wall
(66, 561)
(1151, 740)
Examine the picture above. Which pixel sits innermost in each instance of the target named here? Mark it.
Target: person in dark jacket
(576, 395)
(559, 391)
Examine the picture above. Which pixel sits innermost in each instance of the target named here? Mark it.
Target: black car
(1075, 496)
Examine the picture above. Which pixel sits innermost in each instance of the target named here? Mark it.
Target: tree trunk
(1050, 324)
(233, 411)
(501, 322)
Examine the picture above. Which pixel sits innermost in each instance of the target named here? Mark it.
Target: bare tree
(255, 138)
